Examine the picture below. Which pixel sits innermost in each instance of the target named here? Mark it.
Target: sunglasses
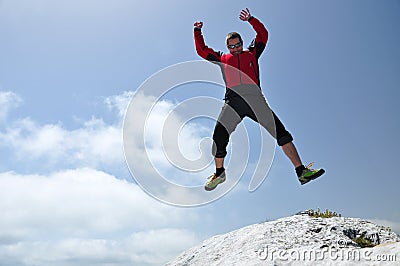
(231, 46)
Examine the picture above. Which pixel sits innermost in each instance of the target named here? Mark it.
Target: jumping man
(244, 98)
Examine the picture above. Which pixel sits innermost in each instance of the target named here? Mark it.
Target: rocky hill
(299, 240)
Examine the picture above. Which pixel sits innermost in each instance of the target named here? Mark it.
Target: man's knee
(284, 139)
(221, 139)
(219, 153)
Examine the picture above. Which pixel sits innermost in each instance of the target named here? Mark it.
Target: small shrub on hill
(326, 214)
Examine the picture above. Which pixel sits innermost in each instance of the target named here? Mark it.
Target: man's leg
(221, 138)
(226, 124)
(262, 113)
(285, 140)
(291, 152)
(219, 166)
(219, 162)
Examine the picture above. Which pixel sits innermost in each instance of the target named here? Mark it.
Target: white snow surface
(298, 240)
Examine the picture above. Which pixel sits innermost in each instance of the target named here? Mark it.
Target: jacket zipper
(255, 72)
(240, 74)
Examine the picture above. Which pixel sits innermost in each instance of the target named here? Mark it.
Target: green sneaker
(214, 181)
(310, 174)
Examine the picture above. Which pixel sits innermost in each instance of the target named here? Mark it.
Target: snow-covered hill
(298, 240)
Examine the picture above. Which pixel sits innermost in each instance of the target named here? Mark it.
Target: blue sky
(69, 68)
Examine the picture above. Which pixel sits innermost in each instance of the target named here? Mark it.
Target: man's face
(235, 46)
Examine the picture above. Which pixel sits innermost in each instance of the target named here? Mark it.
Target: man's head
(234, 43)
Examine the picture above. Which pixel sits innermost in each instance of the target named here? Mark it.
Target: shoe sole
(319, 173)
(209, 188)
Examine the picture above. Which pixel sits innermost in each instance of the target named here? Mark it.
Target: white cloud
(91, 200)
(165, 127)
(98, 144)
(8, 101)
(80, 216)
(53, 146)
(94, 144)
(154, 247)
(119, 102)
(394, 226)
(74, 214)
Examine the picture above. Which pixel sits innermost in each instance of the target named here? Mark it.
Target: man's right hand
(198, 25)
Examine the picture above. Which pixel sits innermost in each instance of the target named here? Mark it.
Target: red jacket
(246, 62)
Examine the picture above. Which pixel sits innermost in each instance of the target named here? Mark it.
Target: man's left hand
(245, 14)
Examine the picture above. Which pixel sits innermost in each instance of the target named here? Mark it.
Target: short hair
(233, 35)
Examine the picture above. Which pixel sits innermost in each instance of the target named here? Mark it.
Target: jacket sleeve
(203, 50)
(258, 45)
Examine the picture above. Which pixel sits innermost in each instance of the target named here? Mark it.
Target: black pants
(254, 106)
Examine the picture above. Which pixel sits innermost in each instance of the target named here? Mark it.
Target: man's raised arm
(202, 49)
(261, 32)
